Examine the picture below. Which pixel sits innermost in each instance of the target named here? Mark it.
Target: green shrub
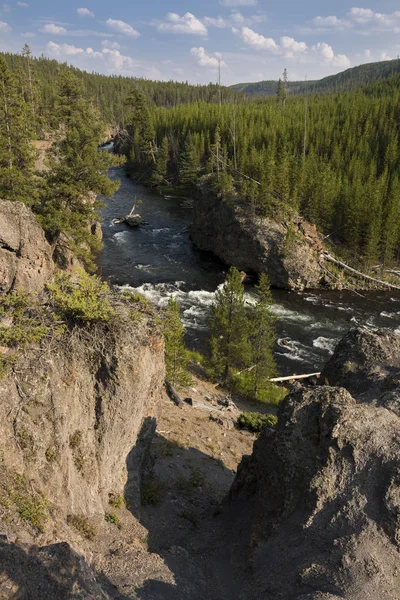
(151, 490)
(270, 394)
(116, 500)
(32, 506)
(111, 518)
(196, 480)
(81, 298)
(27, 325)
(255, 422)
(81, 524)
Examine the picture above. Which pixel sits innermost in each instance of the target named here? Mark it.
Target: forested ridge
(333, 159)
(348, 80)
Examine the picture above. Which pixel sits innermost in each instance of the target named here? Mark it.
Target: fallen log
(330, 258)
(293, 377)
(173, 394)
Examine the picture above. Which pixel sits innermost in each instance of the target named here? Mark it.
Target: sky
(185, 40)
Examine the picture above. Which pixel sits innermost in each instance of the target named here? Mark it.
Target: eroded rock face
(316, 508)
(252, 244)
(77, 421)
(25, 255)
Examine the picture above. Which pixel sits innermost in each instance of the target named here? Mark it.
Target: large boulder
(25, 255)
(314, 513)
(287, 253)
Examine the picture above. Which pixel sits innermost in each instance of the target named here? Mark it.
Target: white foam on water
(389, 315)
(161, 230)
(323, 343)
(289, 315)
(120, 237)
(143, 267)
(295, 350)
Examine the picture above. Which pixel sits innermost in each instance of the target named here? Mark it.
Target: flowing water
(160, 261)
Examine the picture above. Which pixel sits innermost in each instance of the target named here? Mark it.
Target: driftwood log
(333, 260)
(172, 393)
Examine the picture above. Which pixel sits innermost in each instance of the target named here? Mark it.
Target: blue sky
(185, 39)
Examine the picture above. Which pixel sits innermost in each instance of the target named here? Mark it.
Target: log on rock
(173, 394)
(294, 377)
(358, 273)
(133, 220)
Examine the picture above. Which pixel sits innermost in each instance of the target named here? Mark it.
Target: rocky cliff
(314, 512)
(289, 254)
(77, 415)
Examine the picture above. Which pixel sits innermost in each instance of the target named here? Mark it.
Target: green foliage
(28, 324)
(32, 506)
(230, 347)
(81, 298)
(151, 491)
(176, 356)
(81, 524)
(196, 479)
(114, 519)
(116, 500)
(255, 422)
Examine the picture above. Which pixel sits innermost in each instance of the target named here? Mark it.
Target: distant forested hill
(346, 81)
(110, 91)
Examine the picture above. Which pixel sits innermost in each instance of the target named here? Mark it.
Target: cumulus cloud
(290, 48)
(331, 22)
(365, 20)
(257, 41)
(236, 19)
(122, 28)
(239, 2)
(325, 51)
(110, 45)
(53, 29)
(4, 27)
(84, 12)
(207, 60)
(188, 24)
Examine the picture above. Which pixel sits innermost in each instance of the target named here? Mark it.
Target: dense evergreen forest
(348, 80)
(333, 158)
(109, 92)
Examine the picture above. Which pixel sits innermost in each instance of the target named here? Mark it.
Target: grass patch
(116, 500)
(151, 491)
(81, 524)
(196, 479)
(31, 506)
(255, 422)
(113, 519)
(190, 516)
(75, 441)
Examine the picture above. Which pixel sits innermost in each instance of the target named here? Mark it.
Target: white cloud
(110, 45)
(188, 24)
(385, 56)
(84, 12)
(325, 51)
(122, 27)
(23, 4)
(257, 41)
(53, 29)
(207, 60)
(291, 47)
(331, 22)
(236, 19)
(239, 2)
(4, 27)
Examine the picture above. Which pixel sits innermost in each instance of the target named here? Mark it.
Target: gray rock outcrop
(289, 255)
(25, 255)
(316, 508)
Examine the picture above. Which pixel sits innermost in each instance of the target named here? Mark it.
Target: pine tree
(176, 356)
(262, 335)
(188, 167)
(77, 171)
(17, 157)
(230, 347)
(160, 171)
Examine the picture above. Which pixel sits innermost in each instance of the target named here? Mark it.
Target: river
(160, 261)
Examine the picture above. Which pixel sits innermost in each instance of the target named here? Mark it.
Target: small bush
(51, 454)
(255, 422)
(151, 490)
(111, 518)
(81, 524)
(196, 480)
(116, 500)
(135, 298)
(270, 394)
(81, 298)
(27, 325)
(25, 440)
(32, 506)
